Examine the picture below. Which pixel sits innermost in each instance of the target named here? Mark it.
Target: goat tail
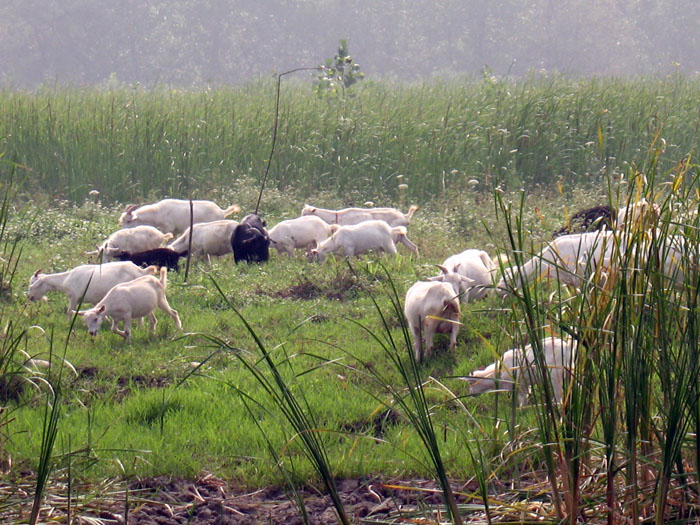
(153, 269)
(413, 209)
(451, 306)
(164, 276)
(235, 208)
(334, 228)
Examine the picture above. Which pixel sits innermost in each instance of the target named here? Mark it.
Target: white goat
(208, 238)
(132, 240)
(569, 258)
(433, 307)
(347, 216)
(639, 211)
(518, 367)
(132, 300)
(305, 232)
(173, 215)
(361, 238)
(477, 266)
(100, 277)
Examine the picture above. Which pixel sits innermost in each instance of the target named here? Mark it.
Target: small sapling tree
(338, 74)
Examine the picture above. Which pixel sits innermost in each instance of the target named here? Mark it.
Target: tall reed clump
(623, 443)
(18, 371)
(132, 144)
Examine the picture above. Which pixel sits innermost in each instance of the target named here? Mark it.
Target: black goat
(250, 241)
(588, 220)
(159, 257)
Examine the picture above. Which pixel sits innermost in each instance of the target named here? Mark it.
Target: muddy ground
(210, 500)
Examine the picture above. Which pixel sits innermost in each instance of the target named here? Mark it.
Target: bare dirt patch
(342, 288)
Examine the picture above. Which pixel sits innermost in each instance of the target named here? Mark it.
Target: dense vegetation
(321, 383)
(134, 144)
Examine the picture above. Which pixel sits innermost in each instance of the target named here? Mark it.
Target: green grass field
(323, 339)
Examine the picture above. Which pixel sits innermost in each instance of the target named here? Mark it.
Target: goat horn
(443, 269)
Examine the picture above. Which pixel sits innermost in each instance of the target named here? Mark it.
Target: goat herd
(134, 286)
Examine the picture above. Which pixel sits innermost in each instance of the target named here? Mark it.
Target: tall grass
(132, 144)
(628, 422)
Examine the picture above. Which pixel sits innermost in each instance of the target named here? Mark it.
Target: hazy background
(194, 42)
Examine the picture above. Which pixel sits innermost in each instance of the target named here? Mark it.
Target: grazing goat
(132, 300)
(590, 219)
(304, 232)
(356, 239)
(156, 257)
(519, 367)
(348, 216)
(477, 266)
(569, 258)
(173, 215)
(74, 283)
(137, 239)
(250, 241)
(433, 307)
(208, 238)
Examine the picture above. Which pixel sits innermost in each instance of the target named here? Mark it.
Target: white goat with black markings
(208, 238)
(132, 240)
(348, 216)
(433, 307)
(357, 239)
(517, 368)
(173, 215)
(305, 232)
(131, 300)
(477, 266)
(93, 280)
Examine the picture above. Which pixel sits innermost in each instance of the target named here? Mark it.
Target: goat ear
(101, 309)
(36, 274)
(81, 313)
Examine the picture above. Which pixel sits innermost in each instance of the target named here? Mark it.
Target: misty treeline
(192, 42)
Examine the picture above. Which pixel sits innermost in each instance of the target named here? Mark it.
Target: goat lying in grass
(608, 218)
(589, 219)
(348, 216)
(132, 300)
